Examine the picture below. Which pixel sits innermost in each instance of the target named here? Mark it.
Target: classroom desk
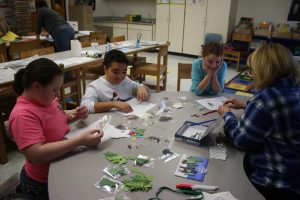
(73, 176)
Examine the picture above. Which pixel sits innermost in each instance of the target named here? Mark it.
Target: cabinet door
(176, 27)
(162, 22)
(218, 13)
(120, 31)
(145, 30)
(194, 27)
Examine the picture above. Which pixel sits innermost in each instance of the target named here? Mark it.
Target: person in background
(61, 32)
(209, 72)
(269, 130)
(38, 125)
(114, 88)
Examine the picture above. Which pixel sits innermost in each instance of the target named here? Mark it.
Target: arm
(198, 77)
(254, 127)
(80, 112)
(42, 153)
(39, 23)
(218, 78)
(143, 93)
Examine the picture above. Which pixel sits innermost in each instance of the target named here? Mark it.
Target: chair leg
(238, 64)
(3, 155)
(178, 84)
(165, 81)
(158, 84)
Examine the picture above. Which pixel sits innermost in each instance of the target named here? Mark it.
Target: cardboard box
(281, 35)
(243, 31)
(263, 32)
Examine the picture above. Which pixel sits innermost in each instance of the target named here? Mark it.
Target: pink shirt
(31, 123)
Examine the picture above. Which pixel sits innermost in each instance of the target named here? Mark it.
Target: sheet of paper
(139, 109)
(6, 75)
(109, 131)
(212, 103)
(219, 196)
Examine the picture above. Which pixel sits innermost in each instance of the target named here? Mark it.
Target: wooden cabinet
(120, 29)
(145, 30)
(186, 22)
(169, 24)
(84, 16)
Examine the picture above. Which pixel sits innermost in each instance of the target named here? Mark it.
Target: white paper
(6, 75)
(139, 109)
(212, 103)
(109, 131)
(219, 196)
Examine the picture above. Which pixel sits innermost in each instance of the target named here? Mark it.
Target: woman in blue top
(209, 72)
(269, 129)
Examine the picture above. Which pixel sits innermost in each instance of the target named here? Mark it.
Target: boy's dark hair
(215, 48)
(40, 4)
(41, 70)
(115, 56)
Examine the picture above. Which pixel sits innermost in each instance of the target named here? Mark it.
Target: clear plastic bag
(168, 155)
(116, 171)
(145, 161)
(108, 185)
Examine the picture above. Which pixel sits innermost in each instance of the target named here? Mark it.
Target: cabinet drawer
(119, 25)
(140, 27)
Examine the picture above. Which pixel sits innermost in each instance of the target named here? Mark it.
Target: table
(72, 176)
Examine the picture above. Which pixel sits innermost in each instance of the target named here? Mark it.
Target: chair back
(45, 51)
(3, 54)
(117, 39)
(40, 52)
(184, 72)
(83, 38)
(241, 37)
(102, 41)
(97, 35)
(15, 47)
(85, 44)
(212, 37)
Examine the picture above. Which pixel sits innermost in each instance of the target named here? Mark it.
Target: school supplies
(192, 167)
(212, 103)
(212, 111)
(193, 133)
(197, 187)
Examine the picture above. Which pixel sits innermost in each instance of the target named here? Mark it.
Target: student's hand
(223, 109)
(142, 93)
(80, 112)
(207, 69)
(123, 106)
(234, 103)
(91, 137)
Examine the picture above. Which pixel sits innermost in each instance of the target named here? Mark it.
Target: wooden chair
(83, 38)
(73, 85)
(96, 35)
(40, 52)
(102, 40)
(92, 72)
(241, 44)
(119, 38)
(7, 101)
(159, 69)
(3, 54)
(85, 44)
(133, 60)
(184, 72)
(15, 47)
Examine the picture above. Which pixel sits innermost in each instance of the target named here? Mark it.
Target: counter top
(122, 20)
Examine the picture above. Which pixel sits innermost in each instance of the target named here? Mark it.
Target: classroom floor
(16, 160)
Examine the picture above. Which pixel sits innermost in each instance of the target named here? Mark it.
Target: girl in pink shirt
(38, 124)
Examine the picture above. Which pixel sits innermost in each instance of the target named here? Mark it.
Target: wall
(275, 11)
(146, 8)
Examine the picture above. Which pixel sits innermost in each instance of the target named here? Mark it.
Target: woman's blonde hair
(271, 62)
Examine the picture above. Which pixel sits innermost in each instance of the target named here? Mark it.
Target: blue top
(269, 131)
(198, 74)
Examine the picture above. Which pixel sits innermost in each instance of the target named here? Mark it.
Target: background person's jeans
(62, 37)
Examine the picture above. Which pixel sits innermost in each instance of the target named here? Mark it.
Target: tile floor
(16, 159)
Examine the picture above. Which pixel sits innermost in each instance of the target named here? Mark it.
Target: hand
(78, 112)
(223, 109)
(123, 106)
(91, 137)
(142, 93)
(234, 103)
(207, 69)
